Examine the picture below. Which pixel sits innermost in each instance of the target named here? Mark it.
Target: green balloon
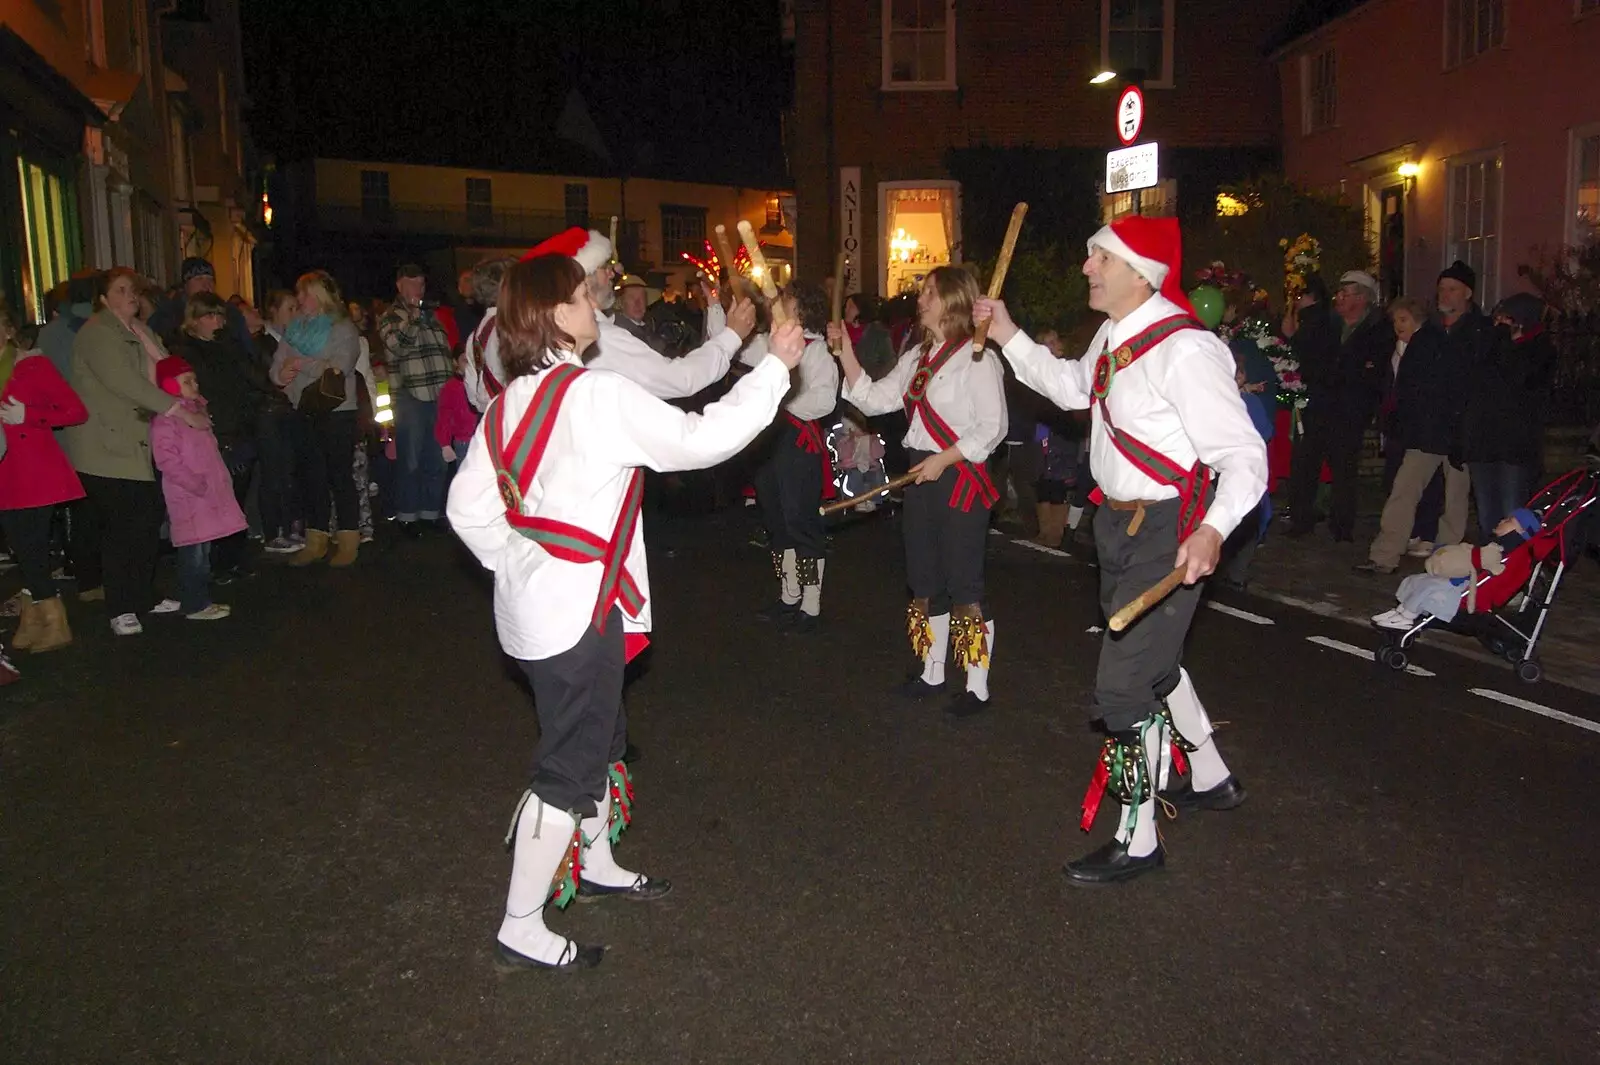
(1208, 305)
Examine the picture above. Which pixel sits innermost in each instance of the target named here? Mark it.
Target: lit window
(1586, 185)
(683, 229)
(1319, 91)
(1472, 27)
(1136, 38)
(919, 44)
(1474, 230)
(50, 234)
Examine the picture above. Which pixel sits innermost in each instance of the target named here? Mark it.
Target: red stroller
(1509, 609)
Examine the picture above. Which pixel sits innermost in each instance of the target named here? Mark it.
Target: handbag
(324, 395)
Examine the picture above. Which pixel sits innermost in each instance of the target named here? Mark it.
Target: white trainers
(214, 612)
(126, 625)
(280, 545)
(1399, 619)
(167, 606)
(1420, 548)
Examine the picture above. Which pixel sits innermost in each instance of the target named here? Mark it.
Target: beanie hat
(193, 268)
(1523, 308)
(1526, 520)
(1153, 247)
(590, 247)
(168, 370)
(1460, 271)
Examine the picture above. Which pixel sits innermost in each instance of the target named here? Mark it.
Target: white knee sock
(978, 676)
(933, 661)
(1138, 825)
(1206, 767)
(543, 837)
(790, 590)
(1074, 515)
(811, 594)
(599, 865)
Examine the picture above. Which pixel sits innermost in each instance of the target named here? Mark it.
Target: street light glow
(1103, 77)
(1410, 170)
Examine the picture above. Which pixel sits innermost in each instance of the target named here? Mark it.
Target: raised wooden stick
(850, 501)
(1002, 264)
(758, 267)
(725, 254)
(838, 295)
(616, 253)
(1147, 599)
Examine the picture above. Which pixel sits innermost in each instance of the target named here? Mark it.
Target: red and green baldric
(1193, 484)
(515, 463)
(972, 479)
(481, 338)
(808, 438)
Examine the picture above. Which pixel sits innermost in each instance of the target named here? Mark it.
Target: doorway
(1392, 241)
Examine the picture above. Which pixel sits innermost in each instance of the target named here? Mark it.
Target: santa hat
(590, 247)
(168, 370)
(1153, 247)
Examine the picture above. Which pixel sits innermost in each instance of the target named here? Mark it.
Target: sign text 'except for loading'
(1132, 168)
(1130, 114)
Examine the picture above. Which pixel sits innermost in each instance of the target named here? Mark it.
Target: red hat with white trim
(590, 247)
(1153, 247)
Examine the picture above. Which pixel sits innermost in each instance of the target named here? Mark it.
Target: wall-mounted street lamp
(1409, 171)
(1103, 77)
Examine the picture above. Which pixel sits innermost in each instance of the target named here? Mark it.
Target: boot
(542, 842)
(315, 550)
(1052, 524)
(53, 633)
(28, 623)
(602, 877)
(345, 546)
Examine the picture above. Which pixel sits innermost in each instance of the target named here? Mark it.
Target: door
(1392, 241)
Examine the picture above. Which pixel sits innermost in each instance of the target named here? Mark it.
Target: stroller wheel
(1396, 659)
(1530, 672)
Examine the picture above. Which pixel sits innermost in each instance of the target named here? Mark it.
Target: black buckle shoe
(914, 687)
(803, 623)
(643, 889)
(1225, 796)
(779, 613)
(1111, 864)
(575, 958)
(968, 705)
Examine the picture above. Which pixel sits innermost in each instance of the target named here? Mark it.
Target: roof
(1309, 17)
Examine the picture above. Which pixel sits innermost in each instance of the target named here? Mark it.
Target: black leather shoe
(630, 753)
(1225, 796)
(1112, 865)
(411, 530)
(968, 705)
(577, 957)
(644, 889)
(804, 623)
(779, 613)
(914, 687)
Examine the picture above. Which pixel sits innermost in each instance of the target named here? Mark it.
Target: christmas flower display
(1300, 260)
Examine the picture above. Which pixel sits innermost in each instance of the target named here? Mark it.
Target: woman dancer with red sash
(548, 500)
(954, 398)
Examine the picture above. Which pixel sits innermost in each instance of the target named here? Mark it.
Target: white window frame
(884, 188)
(1451, 62)
(1308, 124)
(1575, 138)
(1485, 296)
(948, 83)
(1166, 77)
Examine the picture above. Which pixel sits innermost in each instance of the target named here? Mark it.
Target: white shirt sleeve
(716, 320)
(985, 383)
(474, 507)
(658, 435)
(755, 349)
(886, 394)
(818, 393)
(625, 354)
(1064, 382)
(1217, 424)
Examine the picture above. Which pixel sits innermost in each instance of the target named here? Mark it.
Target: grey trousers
(1139, 666)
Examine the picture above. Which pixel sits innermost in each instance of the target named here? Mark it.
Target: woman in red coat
(34, 477)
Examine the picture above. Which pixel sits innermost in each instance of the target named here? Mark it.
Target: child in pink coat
(199, 491)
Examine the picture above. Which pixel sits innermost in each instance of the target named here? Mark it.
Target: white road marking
(1031, 546)
(996, 532)
(1235, 612)
(1327, 610)
(1094, 630)
(1544, 711)
(1362, 652)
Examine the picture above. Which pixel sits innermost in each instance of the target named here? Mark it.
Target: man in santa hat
(1180, 465)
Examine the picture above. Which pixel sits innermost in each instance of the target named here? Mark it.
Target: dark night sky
(690, 90)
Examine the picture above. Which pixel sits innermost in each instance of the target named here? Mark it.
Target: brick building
(1489, 107)
(886, 89)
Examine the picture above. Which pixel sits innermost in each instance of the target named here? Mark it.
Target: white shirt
(1179, 398)
(477, 387)
(815, 391)
(607, 427)
(969, 395)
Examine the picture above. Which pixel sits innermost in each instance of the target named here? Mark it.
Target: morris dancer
(483, 374)
(1166, 412)
(954, 398)
(797, 473)
(548, 498)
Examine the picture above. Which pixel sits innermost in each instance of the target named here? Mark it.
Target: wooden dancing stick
(758, 265)
(838, 295)
(845, 504)
(1147, 599)
(615, 257)
(725, 254)
(1002, 264)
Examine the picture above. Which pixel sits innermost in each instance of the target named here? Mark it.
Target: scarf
(8, 362)
(309, 336)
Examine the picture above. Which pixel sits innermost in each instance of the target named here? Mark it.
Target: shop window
(1474, 221)
(1585, 197)
(920, 233)
(51, 243)
(1136, 36)
(919, 44)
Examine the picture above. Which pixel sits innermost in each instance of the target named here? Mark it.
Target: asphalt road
(278, 839)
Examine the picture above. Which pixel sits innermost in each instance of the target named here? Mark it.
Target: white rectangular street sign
(1131, 168)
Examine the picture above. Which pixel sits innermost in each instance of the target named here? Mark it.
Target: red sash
(1193, 484)
(972, 479)
(809, 439)
(481, 339)
(515, 463)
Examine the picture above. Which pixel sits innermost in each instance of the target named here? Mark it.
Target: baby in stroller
(1450, 570)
